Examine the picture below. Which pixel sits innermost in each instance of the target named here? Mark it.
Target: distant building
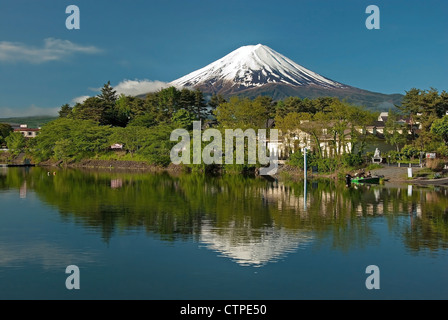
(27, 132)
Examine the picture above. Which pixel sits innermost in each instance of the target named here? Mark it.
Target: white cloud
(136, 87)
(52, 50)
(129, 88)
(28, 112)
(80, 99)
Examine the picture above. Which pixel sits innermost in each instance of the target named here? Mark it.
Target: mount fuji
(255, 70)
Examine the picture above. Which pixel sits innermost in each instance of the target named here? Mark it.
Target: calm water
(147, 236)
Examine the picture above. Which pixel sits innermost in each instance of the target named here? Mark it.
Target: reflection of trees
(428, 222)
(176, 206)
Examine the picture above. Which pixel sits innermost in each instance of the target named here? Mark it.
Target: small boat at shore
(371, 180)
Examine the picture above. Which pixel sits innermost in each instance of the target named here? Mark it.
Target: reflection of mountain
(252, 247)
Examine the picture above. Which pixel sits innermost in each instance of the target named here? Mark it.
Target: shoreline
(392, 174)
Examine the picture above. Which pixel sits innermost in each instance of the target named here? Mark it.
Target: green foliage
(133, 138)
(64, 138)
(144, 120)
(394, 156)
(425, 107)
(324, 164)
(242, 113)
(442, 151)
(108, 94)
(16, 142)
(296, 159)
(158, 145)
(65, 111)
(215, 101)
(64, 150)
(410, 152)
(5, 131)
(440, 128)
(92, 108)
(394, 130)
(184, 119)
(143, 126)
(352, 159)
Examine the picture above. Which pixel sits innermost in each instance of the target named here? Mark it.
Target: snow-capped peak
(253, 66)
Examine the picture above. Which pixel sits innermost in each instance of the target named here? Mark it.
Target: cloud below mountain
(136, 87)
(129, 88)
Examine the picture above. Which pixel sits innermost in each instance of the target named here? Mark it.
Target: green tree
(92, 108)
(200, 107)
(394, 130)
(108, 94)
(184, 119)
(215, 101)
(5, 131)
(316, 128)
(359, 119)
(64, 149)
(16, 142)
(168, 101)
(241, 113)
(267, 103)
(125, 109)
(144, 120)
(65, 111)
(440, 128)
(132, 137)
(290, 127)
(186, 99)
(158, 145)
(410, 152)
(72, 137)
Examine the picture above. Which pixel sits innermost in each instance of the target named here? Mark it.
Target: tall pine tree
(200, 109)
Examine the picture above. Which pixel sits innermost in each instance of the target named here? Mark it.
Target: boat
(373, 180)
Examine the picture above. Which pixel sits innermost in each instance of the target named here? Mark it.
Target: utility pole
(304, 178)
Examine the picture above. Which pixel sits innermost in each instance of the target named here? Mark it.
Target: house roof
(26, 129)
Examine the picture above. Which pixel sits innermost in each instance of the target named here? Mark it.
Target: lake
(137, 235)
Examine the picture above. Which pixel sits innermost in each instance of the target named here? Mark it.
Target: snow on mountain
(254, 66)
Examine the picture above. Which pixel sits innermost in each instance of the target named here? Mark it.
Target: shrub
(435, 164)
(352, 160)
(442, 151)
(410, 151)
(296, 159)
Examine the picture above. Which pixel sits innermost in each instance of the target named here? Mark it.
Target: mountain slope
(256, 70)
(254, 66)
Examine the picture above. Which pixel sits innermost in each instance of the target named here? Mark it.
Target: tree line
(143, 125)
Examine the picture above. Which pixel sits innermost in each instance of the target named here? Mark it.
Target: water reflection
(47, 255)
(251, 221)
(252, 247)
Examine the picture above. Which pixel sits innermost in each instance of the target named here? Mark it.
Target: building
(330, 144)
(27, 132)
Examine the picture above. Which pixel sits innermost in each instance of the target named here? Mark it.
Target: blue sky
(44, 65)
